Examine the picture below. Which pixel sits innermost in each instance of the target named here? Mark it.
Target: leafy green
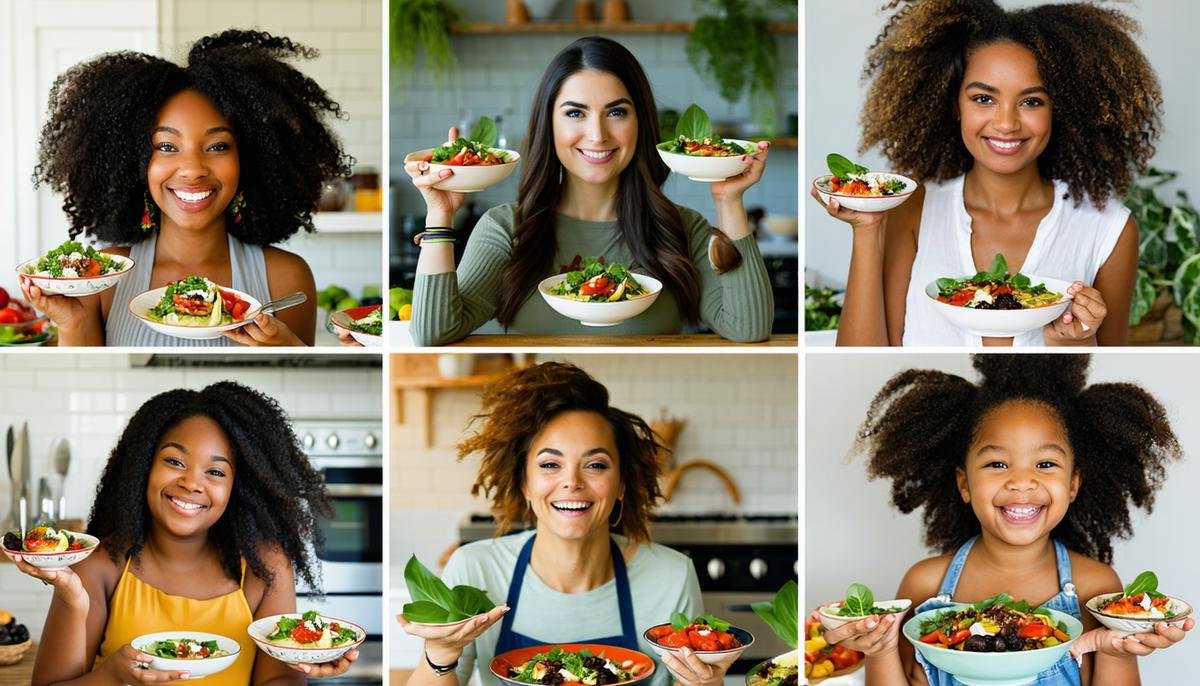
(436, 603)
(484, 132)
(590, 268)
(782, 613)
(843, 168)
(679, 621)
(1146, 582)
(166, 305)
(283, 628)
(423, 24)
(694, 124)
(169, 647)
(51, 263)
(859, 600)
(821, 311)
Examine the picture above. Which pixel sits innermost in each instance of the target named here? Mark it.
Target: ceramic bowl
(991, 669)
(261, 628)
(603, 313)
(75, 287)
(709, 169)
(830, 619)
(866, 203)
(196, 668)
(1134, 625)
(641, 662)
(58, 560)
(342, 319)
(1003, 323)
(468, 179)
(708, 657)
(144, 302)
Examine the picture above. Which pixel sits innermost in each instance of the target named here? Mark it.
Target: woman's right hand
(67, 585)
(444, 644)
(872, 636)
(853, 218)
(131, 666)
(440, 205)
(67, 313)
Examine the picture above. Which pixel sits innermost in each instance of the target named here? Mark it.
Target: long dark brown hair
(650, 223)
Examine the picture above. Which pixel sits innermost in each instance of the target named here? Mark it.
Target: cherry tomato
(958, 637)
(1035, 630)
(935, 636)
(844, 657)
(9, 316)
(600, 285)
(3, 298)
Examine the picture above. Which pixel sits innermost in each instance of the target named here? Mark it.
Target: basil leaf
(781, 614)
(714, 622)
(842, 167)
(999, 270)
(679, 621)
(484, 132)
(1145, 582)
(947, 286)
(470, 601)
(694, 124)
(859, 600)
(1042, 611)
(425, 612)
(1019, 280)
(1002, 599)
(424, 585)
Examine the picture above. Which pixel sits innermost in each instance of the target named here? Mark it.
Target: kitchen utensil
(62, 461)
(19, 471)
(284, 302)
(45, 501)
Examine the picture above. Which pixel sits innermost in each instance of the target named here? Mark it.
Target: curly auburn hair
(276, 492)
(95, 145)
(1106, 98)
(516, 408)
(919, 427)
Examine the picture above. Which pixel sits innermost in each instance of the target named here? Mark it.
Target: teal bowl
(991, 669)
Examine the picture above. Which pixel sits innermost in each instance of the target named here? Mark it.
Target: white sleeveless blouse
(1071, 244)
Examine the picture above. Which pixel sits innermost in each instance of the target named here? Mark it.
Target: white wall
(837, 36)
(853, 534)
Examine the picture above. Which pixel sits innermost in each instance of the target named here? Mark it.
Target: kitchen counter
(587, 340)
(22, 672)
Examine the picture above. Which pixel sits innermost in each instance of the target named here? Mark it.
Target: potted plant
(732, 46)
(422, 25)
(1166, 299)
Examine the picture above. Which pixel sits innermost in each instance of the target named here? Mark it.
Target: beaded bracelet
(440, 669)
(435, 234)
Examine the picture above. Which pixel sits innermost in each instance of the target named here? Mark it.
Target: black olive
(12, 541)
(1014, 641)
(999, 645)
(977, 644)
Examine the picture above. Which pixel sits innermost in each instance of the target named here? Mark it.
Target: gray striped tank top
(249, 269)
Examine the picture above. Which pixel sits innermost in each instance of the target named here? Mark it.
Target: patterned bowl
(261, 628)
(74, 287)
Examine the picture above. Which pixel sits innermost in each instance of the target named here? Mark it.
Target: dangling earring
(236, 207)
(620, 513)
(148, 213)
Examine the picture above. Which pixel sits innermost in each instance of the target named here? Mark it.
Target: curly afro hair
(921, 423)
(516, 408)
(95, 145)
(276, 492)
(1106, 98)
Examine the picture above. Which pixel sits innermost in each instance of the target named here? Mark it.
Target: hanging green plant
(422, 25)
(1168, 253)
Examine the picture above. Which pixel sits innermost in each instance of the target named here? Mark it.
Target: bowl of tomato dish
(474, 166)
(712, 640)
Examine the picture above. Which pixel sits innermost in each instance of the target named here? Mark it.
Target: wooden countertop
(22, 672)
(601, 341)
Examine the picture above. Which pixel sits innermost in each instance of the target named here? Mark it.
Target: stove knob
(370, 441)
(308, 441)
(715, 568)
(333, 441)
(758, 568)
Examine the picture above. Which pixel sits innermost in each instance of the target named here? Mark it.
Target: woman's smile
(193, 198)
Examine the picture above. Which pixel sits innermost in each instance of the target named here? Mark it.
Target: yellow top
(137, 608)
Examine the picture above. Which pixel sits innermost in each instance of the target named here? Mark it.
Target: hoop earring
(148, 212)
(620, 513)
(236, 207)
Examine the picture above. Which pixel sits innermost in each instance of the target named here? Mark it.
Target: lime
(345, 304)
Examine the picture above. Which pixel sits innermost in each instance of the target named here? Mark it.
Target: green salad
(594, 281)
(694, 136)
(184, 649)
(582, 666)
(371, 324)
(73, 260)
(860, 602)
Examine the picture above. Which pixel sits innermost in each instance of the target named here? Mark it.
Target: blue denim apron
(511, 640)
(1065, 672)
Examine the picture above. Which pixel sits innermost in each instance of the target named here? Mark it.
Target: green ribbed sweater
(447, 307)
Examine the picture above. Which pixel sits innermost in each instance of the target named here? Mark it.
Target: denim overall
(1065, 672)
(511, 640)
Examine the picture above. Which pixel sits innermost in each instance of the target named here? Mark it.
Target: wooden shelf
(594, 27)
(415, 379)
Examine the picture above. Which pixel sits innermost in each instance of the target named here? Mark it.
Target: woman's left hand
(687, 667)
(1081, 320)
(327, 669)
(733, 187)
(345, 338)
(264, 330)
(1117, 644)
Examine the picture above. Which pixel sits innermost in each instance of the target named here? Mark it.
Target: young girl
(1024, 479)
(205, 514)
(192, 170)
(591, 185)
(1026, 128)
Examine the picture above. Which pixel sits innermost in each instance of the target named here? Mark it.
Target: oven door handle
(354, 490)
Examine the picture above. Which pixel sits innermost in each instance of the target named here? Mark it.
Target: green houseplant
(730, 44)
(1168, 283)
(422, 25)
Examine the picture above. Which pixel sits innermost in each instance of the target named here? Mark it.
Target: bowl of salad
(998, 303)
(474, 159)
(365, 324)
(585, 663)
(701, 155)
(1139, 607)
(995, 642)
(599, 294)
(198, 653)
(194, 308)
(20, 324)
(777, 671)
(75, 270)
(48, 548)
(711, 638)
(857, 188)
(307, 637)
(859, 604)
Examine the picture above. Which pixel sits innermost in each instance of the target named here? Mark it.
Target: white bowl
(709, 169)
(831, 620)
(261, 628)
(196, 668)
(601, 314)
(1003, 323)
(144, 302)
(76, 287)
(342, 319)
(866, 203)
(1130, 625)
(708, 657)
(467, 179)
(57, 560)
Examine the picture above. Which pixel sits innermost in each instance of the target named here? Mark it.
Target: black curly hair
(276, 492)
(95, 145)
(1107, 103)
(919, 427)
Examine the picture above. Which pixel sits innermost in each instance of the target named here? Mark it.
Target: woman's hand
(872, 636)
(691, 671)
(68, 314)
(131, 666)
(854, 218)
(1081, 320)
(444, 644)
(264, 330)
(345, 338)
(440, 205)
(66, 583)
(731, 189)
(327, 669)
(1117, 644)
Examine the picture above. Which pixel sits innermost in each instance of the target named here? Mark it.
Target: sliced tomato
(239, 310)
(958, 637)
(1035, 630)
(89, 268)
(844, 657)
(835, 183)
(935, 636)
(600, 285)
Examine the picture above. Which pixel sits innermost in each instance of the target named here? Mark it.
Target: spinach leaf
(843, 168)
(714, 621)
(694, 124)
(679, 621)
(484, 132)
(424, 584)
(859, 600)
(470, 601)
(999, 270)
(425, 612)
(1146, 582)
(782, 614)
(436, 603)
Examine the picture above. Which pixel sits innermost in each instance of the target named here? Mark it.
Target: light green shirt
(661, 581)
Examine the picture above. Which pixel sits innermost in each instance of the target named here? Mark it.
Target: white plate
(342, 319)
(709, 169)
(57, 560)
(708, 657)
(144, 302)
(831, 620)
(1003, 323)
(1132, 625)
(197, 668)
(601, 314)
(261, 628)
(468, 179)
(76, 287)
(866, 203)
